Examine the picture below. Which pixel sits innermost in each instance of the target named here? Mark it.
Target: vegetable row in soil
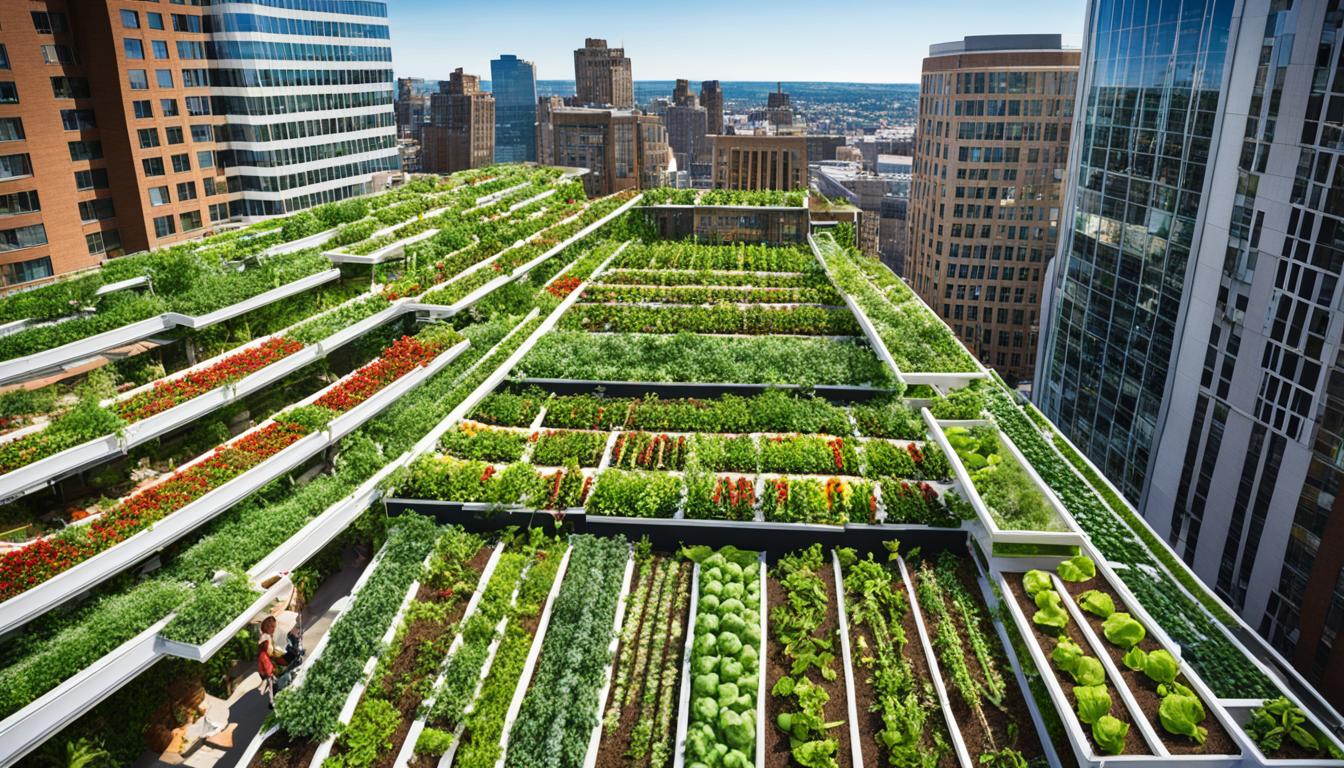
(1217, 742)
(641, 701)
(1134, 742)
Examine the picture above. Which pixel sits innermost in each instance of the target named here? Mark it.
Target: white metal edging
(851, 708)
(256, 302)
(595, 740)
(684, 692)
(945, 703)
(407, 750)
(762, 603)
(869, 330)
(315, 240)
(525, 679)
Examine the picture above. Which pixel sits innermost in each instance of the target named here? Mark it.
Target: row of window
(315, 176)
(186, 190)
(299, 129)
(284, 25)
(181, 163)
(267, 50)
(304, 102)
(348, 7)
(149, 137)
(292, 155)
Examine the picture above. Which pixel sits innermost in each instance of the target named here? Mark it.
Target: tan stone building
(990, 151)
(461, 132)
(711, 98)
(120, 131)
(760, 162)
(621, 148)
(602, 76)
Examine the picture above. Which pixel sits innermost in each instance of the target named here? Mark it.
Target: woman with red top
(268, 659)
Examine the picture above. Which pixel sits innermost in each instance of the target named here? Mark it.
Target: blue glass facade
(513, 82)
(1152, 73)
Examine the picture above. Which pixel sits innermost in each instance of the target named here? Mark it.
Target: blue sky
(876, 41)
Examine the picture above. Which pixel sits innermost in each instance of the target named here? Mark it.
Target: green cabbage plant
(1097, 603)
(1123, 630)
(1050, 610)
(1109, 733)
(1036, 581)
(1181, 713)
(1093, 702)
(1077, 568)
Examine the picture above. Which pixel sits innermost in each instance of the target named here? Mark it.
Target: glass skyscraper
(305, 90)
(1191, 335)
(513, 82)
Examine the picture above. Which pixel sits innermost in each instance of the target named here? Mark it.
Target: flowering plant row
(166, 394)
(403, 356)
(684, 254)
(815, 277)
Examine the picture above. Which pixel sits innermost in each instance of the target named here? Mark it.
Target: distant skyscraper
(461, 133)
(686, 128)
(711, 98)
(602, 76)
(412, 106)
(513, 83)
(991, 145)
(777, 108)
(1191, 341)
(681, 93)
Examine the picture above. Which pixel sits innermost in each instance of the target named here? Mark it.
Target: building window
(94, 178)
(200, 133)
(130, 19)
(219, 211)
(134, 48)
(58, 54)
(23, 237)
(163, 226)
(198, 105)
(27, 271)
(173, 135)
(195, 78)
(77, 119)
(70, 87)
(164, 78)
(138, 78)
(143, 109)
(4, 57)
(149, 137)
(108, 241)
(190, 220)
(155, 20)
(86, 150)
(210, 190)
(19, 202)
(205, 159)
(159, 196)
(186, 190)
(9, 93)
(185, 23)
(14, 166)
(153, 166)
(48, 22)
(169, 107)
(181, 163)
(96, 210)
(11, 129)
(187, 49)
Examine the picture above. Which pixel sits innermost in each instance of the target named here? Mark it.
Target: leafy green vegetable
(1077, 568)
(1093, 702)
(1181, 714)
(1161, 667)
(1097, 603)
(1050, 610)
(1109, 733)
(1035, 581)
(1123, 630)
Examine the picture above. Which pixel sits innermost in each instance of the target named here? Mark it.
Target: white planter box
(44, 717)
(846, 659)
(210, 647)
(312, 241)
(594, 741)
(684, 694)
(930, 658)
(21, 368)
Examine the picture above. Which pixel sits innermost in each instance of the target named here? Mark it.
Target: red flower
(563, 287)
(172, 392)
(487, 474)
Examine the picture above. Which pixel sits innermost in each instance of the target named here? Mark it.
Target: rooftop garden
(621, 502)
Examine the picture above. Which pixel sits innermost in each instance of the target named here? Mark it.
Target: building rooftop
(988, 43)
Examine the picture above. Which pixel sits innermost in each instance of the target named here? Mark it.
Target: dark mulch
(611, 749)
(282, 751)
(1218, 741)
(1134, 743)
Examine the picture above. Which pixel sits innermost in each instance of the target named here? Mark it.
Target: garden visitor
(267, 659)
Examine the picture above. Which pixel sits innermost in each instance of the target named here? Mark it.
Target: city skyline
(659, 47)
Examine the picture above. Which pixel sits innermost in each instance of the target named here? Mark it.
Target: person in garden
(268, 659)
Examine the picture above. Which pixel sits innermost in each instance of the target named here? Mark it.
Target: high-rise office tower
(1191, 342)
(461, 133)
(681, 93)
(602, 76)
(130, 125)
(990, 148)
(711, 98)
(412, 106)
(778, 110)
(513, 83)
